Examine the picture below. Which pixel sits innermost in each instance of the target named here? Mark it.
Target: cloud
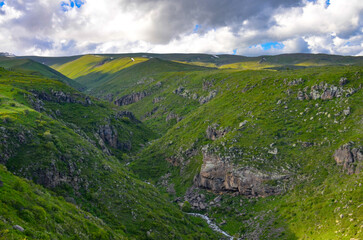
(53, 27)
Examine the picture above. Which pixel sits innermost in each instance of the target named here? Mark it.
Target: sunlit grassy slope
(96, 63)
(57, 148)
(318, 201)
(319, 192)
(34, 68)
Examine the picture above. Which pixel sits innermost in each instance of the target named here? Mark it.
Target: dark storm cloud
(45, 27)
(172, 18)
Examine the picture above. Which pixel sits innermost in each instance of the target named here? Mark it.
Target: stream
(212, 225)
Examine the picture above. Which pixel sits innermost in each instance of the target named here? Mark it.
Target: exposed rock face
(196, 200)
(179, 90)
(131, 98)
(350, 158)
(172, 116)
(56, 96)
(343, 81)
(211, 95)
(207, 84)
(109, 135)
(325, 91)
(213, 133)
(127, 114)
(11, 140)
(296, 82)
(219, 175)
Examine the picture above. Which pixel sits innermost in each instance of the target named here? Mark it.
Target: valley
(140, 146)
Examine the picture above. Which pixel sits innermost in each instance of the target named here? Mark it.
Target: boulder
(19, 228)
(179, 90)
(211, 95)
(196, 200)
(242, 124)
(346, 111)
(350, 158)
(213, 133)
(343, 81)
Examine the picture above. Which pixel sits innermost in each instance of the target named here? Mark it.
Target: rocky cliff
(131, 98)
(219, 175)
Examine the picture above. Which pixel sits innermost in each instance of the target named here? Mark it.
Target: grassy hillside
(225, 61)
(116, 77)
(34, 68)
(94, 63)
(55, 148)
(252, 149)
(305, 134)
(43, 215)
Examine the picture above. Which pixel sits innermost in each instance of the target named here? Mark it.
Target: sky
(243, 27)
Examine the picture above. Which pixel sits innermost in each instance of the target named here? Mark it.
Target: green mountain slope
(94, 63)
(43, 215)
(54, 147)
(273, 153)
(35, 68)
(282, 61)
(257, 123)
(114, 76)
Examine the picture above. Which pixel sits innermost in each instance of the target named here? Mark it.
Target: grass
(317, 201)
(61, 153)
(43, 214)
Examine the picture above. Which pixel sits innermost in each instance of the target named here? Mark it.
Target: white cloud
(41, 27)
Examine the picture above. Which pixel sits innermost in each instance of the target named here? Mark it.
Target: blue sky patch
(269, 45)
(327, 2)
(196, 28)
(71, 4)
(2, 3)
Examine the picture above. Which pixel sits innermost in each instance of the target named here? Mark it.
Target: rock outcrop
(196, 200)
(131, 98)
(109, 135)
(295, 82)
(172, 116)
(214, 133)
(325, 91)
(37, 98)
(11, 140)
(211, 95)
(219, 175)
(350, 158)
(127, 114)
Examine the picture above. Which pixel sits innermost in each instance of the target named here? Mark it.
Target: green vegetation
(34, 68)
(266, 114)
(57, 147)
(43, 215)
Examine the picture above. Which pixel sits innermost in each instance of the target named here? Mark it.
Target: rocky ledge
(219, 175)
(131, 98)
(350, 158)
